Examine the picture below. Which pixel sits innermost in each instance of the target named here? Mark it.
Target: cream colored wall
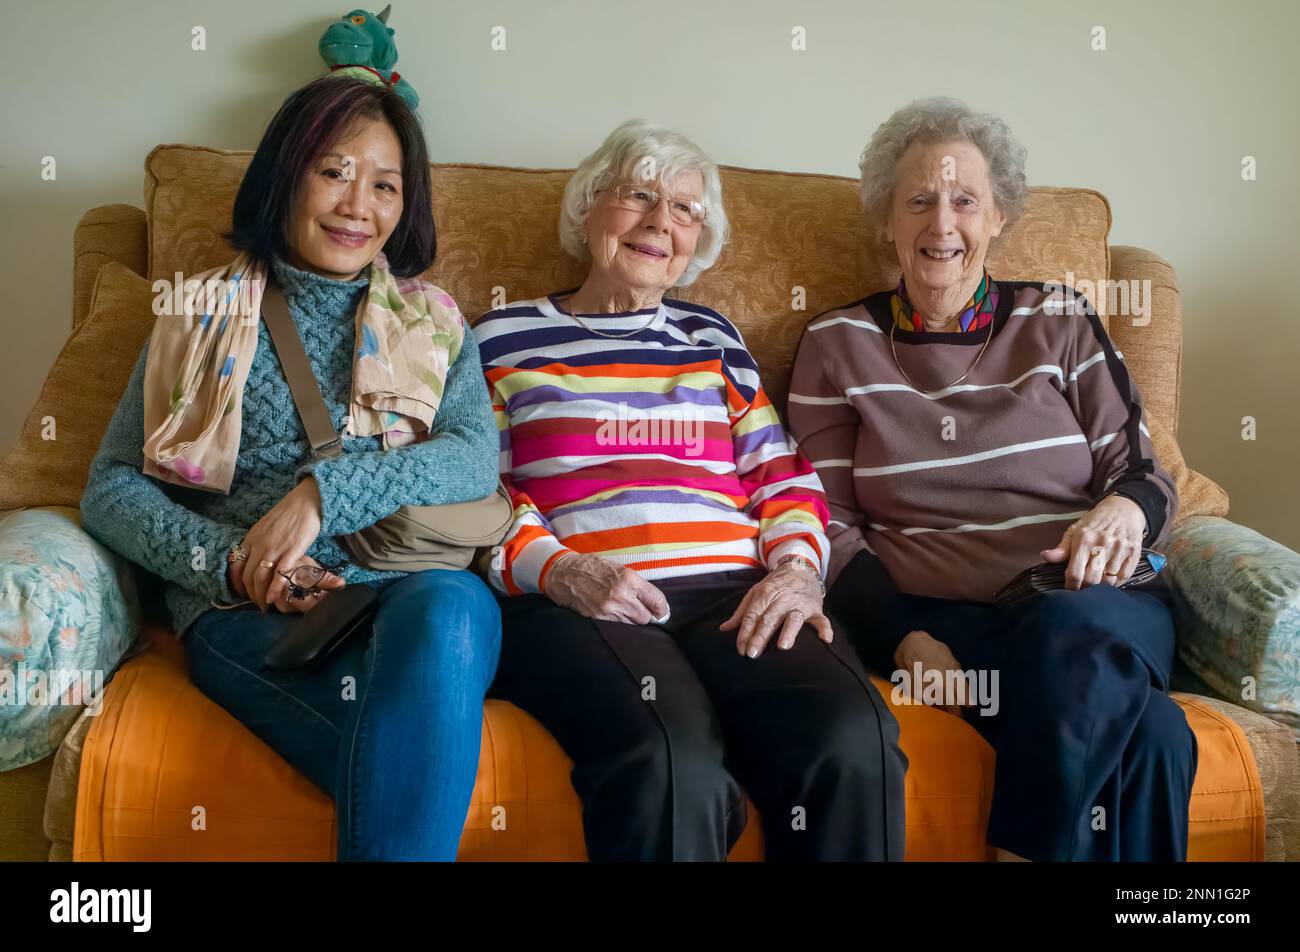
(1159, 122)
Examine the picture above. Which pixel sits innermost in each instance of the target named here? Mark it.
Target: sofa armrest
(1273, 749)
(104, 234)
(69, 611)
(1237, 608)
(22, 796)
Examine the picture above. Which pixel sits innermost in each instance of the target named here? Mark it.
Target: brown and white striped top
(958, 490)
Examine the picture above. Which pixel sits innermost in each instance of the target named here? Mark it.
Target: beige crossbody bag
(414, 538)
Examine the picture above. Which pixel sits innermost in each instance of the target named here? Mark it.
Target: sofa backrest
(799, 244)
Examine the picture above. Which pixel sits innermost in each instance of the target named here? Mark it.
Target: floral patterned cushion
(68, 612)
(1239, 614)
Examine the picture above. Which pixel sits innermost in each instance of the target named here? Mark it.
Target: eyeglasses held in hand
(304, 581)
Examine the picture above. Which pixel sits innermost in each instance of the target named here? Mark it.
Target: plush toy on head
(361, 45)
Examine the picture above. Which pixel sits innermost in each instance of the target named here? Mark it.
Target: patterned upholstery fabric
(798, 246)
(68, 612)
(1239, 615)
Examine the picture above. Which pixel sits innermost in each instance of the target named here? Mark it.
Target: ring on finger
(266, 564)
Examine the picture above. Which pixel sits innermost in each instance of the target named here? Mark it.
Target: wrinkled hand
(1103, 546)
(597, 587)
(784, 601)
(282, 537)
(933, 655)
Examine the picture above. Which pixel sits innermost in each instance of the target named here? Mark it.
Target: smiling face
(643, 252)
(345, 210)
(942, 218)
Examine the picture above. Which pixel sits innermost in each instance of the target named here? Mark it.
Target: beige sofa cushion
(80, 393)
(497, 230)
(1198, 495)
(104, 234)
(1152, 344)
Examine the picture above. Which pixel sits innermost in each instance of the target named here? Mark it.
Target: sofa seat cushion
(161, 749)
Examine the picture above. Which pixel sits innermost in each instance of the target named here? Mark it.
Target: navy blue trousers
(1094, 760)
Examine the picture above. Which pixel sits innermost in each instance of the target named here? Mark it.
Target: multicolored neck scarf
(976, 315)
(408, 334)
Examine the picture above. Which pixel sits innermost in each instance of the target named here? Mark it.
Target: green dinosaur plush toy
(361, 44)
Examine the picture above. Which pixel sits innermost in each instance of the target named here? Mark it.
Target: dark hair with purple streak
(309, 122)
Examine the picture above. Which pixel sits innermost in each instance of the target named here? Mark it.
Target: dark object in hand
(1050, 576)
(312, 636)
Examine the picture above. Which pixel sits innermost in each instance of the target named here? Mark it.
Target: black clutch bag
(1049, 576)
(312, 636)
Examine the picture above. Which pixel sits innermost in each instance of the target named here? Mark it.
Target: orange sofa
(160, 749)
(163, 773)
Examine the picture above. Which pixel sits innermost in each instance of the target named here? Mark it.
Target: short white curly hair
(935, 120)
(635, 144)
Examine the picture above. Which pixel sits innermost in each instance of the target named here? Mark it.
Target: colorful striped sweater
(659, 450)
(957, 490)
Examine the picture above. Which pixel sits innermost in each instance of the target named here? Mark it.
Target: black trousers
(1094, 760)
(666, 724)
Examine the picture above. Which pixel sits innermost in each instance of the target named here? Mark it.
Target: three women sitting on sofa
(661, 597)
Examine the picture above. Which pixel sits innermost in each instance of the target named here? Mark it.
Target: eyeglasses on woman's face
(643, 199)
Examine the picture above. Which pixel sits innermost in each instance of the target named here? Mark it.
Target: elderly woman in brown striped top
(965, 429)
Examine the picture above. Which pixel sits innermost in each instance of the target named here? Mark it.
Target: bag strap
(324, 439)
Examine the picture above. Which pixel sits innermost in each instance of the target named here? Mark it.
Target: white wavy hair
(627, 150)
(935, 120)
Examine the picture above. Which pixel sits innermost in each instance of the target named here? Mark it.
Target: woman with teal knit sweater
(205, 476)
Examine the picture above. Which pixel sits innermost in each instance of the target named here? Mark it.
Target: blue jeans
(389, 725)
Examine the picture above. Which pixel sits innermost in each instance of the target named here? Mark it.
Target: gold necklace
(928, 393)
(636, 330)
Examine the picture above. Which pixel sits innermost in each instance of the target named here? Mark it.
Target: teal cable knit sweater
(183, 534)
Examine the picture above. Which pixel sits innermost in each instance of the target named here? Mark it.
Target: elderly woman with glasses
(965, 429)
(659, 505)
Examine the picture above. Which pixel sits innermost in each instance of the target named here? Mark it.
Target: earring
(583, 237)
